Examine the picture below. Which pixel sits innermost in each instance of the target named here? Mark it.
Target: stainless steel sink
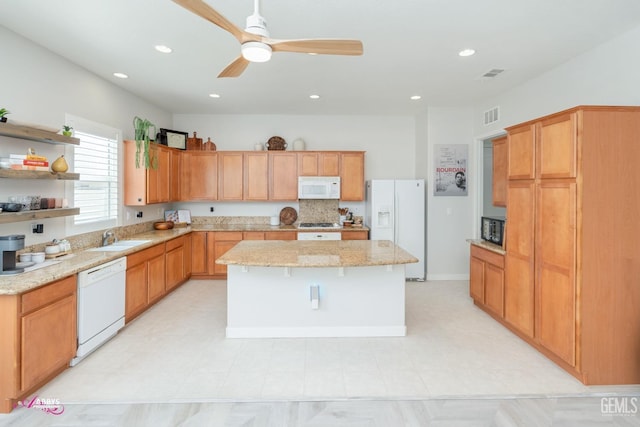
(121, 245)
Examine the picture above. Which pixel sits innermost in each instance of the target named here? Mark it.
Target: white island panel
(366, 301)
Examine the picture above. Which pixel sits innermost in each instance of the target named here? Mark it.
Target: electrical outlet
(139, 214)
(211, 209)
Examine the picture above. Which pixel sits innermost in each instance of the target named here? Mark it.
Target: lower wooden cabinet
(39, 331)
(486, 280)
(145, 280)
(207, 246)
(355, 235)
(176, 262)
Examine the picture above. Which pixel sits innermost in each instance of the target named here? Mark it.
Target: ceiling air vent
(492, 73)
(491, 116)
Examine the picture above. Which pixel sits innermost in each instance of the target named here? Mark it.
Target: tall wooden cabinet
(572, 263)
(500, 172)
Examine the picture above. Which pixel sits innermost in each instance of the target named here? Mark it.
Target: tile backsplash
(318, 211)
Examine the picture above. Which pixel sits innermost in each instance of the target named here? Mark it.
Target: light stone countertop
(487, 245)
(297, 253)
(79, 261)
(82, 259)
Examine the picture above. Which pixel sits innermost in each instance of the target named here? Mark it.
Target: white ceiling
(410, 47)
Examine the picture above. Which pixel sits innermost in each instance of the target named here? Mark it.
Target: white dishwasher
(101, 304)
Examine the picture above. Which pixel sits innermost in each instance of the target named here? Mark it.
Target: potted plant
(66, 130)
(3, 113)
(143, 155)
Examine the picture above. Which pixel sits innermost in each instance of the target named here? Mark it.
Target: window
(96, 160)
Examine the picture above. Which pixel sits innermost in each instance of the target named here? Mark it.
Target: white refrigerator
(395, 210)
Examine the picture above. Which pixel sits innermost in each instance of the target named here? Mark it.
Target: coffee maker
(8, 247)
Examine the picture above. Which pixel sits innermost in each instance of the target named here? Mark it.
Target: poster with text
(450, 169)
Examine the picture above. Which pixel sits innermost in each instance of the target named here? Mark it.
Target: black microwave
(492, 229)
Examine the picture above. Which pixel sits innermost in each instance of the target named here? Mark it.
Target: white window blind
(96, 193)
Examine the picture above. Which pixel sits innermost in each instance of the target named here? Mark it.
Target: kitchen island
(315, 289)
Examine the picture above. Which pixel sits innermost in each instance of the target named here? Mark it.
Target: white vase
(299, 145)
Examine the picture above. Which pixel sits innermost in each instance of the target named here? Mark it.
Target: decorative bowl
(163, 225)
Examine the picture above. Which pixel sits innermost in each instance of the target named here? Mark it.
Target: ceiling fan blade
(319, 46)
(200, 8)
(235, 68)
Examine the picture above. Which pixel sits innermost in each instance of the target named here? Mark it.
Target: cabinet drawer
(175, 243)
(142, 256)
(488, 256)
(48, 294)
(280, 235)
(228, 235)
(252, 235)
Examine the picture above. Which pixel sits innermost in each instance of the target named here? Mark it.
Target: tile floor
(176, 353)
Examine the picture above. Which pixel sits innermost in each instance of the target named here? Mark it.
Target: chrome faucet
(106, 235)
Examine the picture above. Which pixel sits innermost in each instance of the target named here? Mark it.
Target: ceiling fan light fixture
(256, 51)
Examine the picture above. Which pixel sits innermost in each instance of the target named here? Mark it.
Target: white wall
(450, 219)
(40, 87)
(606, 75)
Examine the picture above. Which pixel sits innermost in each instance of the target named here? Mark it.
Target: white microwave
(319, 187)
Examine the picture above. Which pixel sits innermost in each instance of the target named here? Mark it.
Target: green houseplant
(3, 113)
(143, 143)
(66, 130)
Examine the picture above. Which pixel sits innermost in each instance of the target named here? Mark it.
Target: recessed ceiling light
(121, 75)
(314, 96)
(466, 52)
(415, 97)
(214, 95)
(163, 49)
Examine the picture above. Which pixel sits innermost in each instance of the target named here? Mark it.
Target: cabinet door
(200, 176)
(500, 160)
(283, 171)
(158, 176)
(136, 291)
(494, 288)
(555, 268)
(557, 147)
(352, 176)
(174, 267)
(49, 338)
(308, 164)
(188, 242)
(222, 241)
(230, 175)
(521, 152)
(199, 252)
(175, 158)
(156, 278)
(519, 268)
(476, 279)
(256, 176)
(329, 164)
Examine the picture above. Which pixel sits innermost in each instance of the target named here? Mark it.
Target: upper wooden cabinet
(557, 153)
(521, 152)
(319, 163)
(236, 175)
(352, 175)
(146, 186)
(500, 164)
(199, 175)
(230, 175)
(283, 176)
(256, 176)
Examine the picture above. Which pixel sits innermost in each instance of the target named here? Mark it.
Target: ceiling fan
(257, 46)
